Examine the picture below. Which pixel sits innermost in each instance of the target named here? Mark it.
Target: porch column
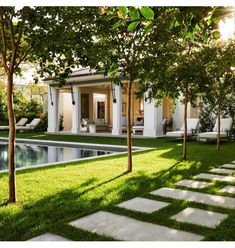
(117, 111)
(52, 154)
(76, 110)
(178, 115)
(152, 119)
(53, 117)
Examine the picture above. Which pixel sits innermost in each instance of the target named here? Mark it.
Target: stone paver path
(215, 200)
(215, 177)
(228, 189)
(125, 228)
(230, 166)
(49, 237)
(222, 171)
(200, 217)
(143, 205)
(193, 184)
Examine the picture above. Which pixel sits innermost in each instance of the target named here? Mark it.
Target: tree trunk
(129, 140)
(218, 128)
(185, 127)
(11, 142)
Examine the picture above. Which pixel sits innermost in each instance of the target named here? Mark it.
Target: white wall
(65, 107)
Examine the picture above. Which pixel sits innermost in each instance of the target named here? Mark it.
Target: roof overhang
(83, 77)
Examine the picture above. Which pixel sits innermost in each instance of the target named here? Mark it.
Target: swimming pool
(40, 153)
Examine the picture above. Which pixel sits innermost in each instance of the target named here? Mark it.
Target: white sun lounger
(192, 126)
(225, 127)
(31, 125)
(20, 123)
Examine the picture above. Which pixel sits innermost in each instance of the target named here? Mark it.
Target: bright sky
(27, 77)
(227, 28)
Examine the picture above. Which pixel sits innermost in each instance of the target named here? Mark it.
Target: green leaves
(123, 11)
(147, 12)
(132, 26)
(134, 13)
(191, 35)
(148, 27)
(216, 34)
(176, 24)
(117, 24)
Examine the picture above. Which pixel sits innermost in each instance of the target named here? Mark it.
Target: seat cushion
(178, 134)
(212, 135)
(225, 124)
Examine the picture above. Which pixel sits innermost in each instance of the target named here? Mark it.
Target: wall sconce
(114, 94)
(50, 95)
(72, 94)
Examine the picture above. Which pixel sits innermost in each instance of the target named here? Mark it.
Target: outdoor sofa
(225, 127)
(192, 127)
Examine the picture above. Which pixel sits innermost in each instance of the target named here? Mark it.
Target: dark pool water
(34, 154)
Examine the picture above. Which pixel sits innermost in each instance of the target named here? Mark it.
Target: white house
(90, 103)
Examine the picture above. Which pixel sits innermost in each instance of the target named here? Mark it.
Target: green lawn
(48, 198)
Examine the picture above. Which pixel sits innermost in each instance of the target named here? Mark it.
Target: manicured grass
(48, 198)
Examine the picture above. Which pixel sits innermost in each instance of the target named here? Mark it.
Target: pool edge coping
(52, 142)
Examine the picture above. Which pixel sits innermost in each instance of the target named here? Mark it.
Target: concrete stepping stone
(228, 189)
(193, 184)
(215, 177)
(215, 200)
(200, 217)
(143, 205)
(128, 229)
(222, 171)
(49, 237)
(230, 166)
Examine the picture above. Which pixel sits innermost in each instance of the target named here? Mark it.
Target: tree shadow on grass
(62, 207)
(54, 211)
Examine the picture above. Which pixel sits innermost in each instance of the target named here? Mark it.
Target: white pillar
(178, 115)
(117, 111)
(152, 119)
(76, 110)
(53, 117)
(76, 153)
(52, 154)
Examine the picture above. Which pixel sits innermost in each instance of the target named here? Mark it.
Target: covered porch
(89, 104)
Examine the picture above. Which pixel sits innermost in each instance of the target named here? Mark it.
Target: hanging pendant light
(72, 94)
(50, 95)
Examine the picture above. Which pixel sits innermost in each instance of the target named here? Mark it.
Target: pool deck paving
(200, 217)
(143, 205)
(209, 199)
(215, 177)
(193, 184)
(222, 171)
(129, 229)
(49, 237)
(229, 166)
(228, 189)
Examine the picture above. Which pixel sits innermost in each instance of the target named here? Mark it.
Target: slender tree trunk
(129, 139)
(185, 127)
(218, 128)
(11, 142)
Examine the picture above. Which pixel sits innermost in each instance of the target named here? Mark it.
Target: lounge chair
(139, 125)
(192, 127)
(31, 125)
(225, 127)
(20, 123)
